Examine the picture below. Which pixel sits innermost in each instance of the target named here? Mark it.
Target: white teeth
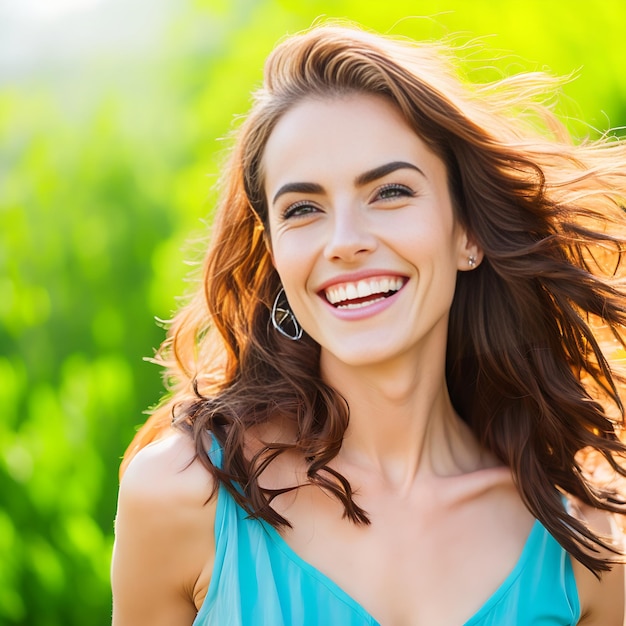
(362, 289)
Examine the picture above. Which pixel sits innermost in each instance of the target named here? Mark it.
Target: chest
(428, 559)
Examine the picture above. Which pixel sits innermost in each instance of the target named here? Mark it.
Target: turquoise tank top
(258, 580)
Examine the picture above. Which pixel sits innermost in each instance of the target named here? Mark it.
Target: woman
(389, 390)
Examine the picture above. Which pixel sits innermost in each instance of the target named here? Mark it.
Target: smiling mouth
(363, 293)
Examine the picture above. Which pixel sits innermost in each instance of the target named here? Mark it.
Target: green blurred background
(111, 114)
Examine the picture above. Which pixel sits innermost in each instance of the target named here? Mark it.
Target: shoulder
(603, 598)
(164, 542)
(165, 480)
(167, 469)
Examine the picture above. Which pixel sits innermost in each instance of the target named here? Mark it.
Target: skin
(335, 216)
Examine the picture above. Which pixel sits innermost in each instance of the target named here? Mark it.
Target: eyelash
(292, 210)
(401, 190)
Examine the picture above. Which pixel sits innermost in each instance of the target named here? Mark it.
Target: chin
(364, 356)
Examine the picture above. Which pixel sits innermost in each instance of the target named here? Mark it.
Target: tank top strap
(215, 451)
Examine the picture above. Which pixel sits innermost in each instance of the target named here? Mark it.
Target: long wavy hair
(533, 330)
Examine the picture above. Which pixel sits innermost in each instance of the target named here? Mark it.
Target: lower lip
(365, 311)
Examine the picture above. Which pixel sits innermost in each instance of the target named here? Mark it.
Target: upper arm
(164, 542)
(603, 600)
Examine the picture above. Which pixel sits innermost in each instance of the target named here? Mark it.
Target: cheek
(291, 261)
(423, 240)
(283, 252)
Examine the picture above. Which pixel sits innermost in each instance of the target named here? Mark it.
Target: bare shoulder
(164, 542)
(167, 468)
(602, 599)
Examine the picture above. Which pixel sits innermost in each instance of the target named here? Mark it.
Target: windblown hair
(527, 366)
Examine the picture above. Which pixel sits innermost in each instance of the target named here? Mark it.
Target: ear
(470, 253)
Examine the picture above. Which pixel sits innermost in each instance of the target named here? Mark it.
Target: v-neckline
(493, 599)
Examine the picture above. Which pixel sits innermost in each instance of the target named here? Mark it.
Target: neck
(402, 422)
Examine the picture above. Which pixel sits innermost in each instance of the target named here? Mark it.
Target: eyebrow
(362, 179)
(378, 172)
(298, 188)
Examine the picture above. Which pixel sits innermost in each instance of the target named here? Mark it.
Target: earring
(283, 319)
(471, 261)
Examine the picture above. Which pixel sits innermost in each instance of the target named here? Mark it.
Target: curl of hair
(527, 367)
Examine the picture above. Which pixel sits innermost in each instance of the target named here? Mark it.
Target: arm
(603, 602)
(164, 543)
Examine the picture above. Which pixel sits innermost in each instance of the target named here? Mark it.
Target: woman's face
(362, 229)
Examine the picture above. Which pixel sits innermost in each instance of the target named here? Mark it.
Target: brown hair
(525, 364)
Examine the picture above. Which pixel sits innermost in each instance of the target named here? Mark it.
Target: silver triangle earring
(283, 319)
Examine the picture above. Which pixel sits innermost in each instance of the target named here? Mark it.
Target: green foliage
(106, 169)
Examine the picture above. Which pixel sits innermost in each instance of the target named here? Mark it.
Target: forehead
(340, 135)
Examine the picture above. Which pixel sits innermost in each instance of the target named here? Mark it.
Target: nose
(350, 234)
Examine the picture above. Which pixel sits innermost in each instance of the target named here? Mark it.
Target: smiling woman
(391, 388)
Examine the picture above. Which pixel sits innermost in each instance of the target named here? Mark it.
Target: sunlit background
(111, 114)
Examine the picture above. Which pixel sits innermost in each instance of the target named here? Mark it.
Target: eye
(299, 209)
(393, 191)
